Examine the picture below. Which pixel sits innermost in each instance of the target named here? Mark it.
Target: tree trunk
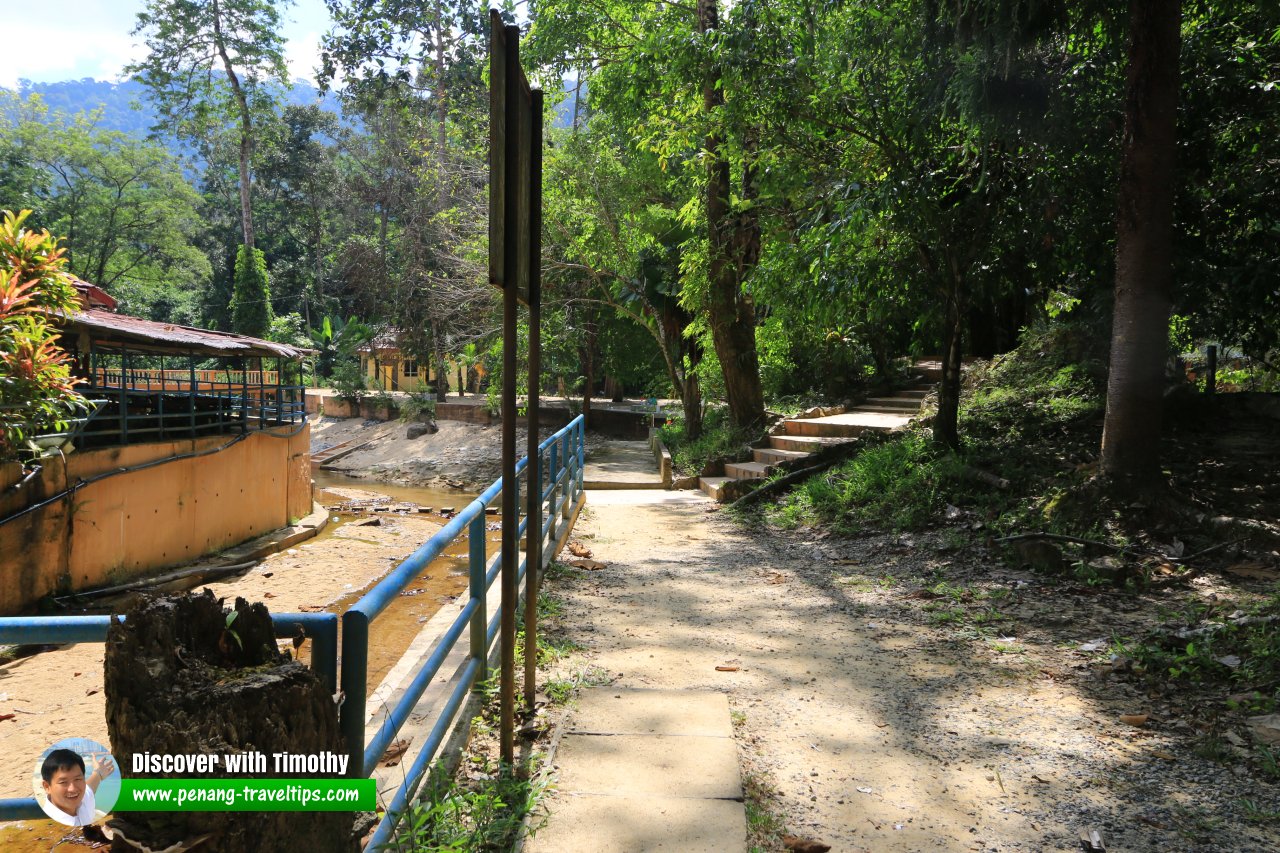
(588, 363)
(178, 682)
(734, 245)
(246, 128)
(1144, 247)
(946, 426)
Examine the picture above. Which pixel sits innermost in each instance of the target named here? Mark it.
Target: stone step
(776, 456)
(930, 369)
(813, 429)
(913, 393)
(747, 470)
(807, 444)
(713, 486)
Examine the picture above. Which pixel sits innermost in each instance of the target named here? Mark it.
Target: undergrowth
(719, 439)
(1031, 417)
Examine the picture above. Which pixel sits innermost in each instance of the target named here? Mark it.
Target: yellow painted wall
(390, 375)
(125, 526)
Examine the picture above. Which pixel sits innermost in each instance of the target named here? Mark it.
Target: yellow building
(384, 366)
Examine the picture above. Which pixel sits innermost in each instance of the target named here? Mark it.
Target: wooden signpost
(515, 251)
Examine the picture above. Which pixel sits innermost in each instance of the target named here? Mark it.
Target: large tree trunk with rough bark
(733, 248)
(178, 681)
(1144, 247)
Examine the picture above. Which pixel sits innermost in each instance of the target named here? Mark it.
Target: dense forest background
(749, 206)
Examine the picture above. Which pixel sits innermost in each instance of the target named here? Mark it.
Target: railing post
(554, 468)
(355, 676)
(480, 619)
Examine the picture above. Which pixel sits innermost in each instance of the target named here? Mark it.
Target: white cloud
(42, 52)
(302, 54)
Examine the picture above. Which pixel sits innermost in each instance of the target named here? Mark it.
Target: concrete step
(713, 486)
(776, 456)
(811, 428)
(747, 470)
(908, 403)
(877, 408)
(930, 369)
(848, 425)
(913, 393)
(807, 444)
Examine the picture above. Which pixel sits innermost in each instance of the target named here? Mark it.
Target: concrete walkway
(652, 767)
(621, 465)
(646, 770)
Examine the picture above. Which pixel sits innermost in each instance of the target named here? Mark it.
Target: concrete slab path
(645, 768)
(621, 465)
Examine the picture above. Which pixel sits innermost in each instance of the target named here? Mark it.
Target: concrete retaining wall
(126, 525)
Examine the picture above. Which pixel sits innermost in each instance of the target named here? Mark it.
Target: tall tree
(209, 61)
(1144, 246)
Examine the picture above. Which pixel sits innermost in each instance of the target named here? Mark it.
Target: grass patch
(484, 813)
(1238, 657)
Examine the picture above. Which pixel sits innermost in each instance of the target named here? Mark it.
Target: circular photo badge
(76, 781)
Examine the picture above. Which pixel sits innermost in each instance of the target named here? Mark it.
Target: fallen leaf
(804, 845)
(4, 717)
(268, 595)
(91, 692)
(312, 608)
(1259, 571)
(1134, 719)
(776, 578)
(577, 549)
(392, 756)
(726, 669)
(589, 565)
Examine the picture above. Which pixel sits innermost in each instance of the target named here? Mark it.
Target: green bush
(719, 439)
(417, 405)
(348, 382)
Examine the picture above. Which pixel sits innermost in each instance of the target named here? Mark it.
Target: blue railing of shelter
(321, 628)
(558, 474)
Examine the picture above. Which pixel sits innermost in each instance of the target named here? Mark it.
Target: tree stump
(181, 680)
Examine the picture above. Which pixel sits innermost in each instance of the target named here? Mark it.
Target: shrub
(36, 387)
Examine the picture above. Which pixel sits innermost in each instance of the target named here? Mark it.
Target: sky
(73, 39)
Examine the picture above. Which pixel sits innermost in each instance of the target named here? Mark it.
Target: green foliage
(36, 387)
(417, 406)
(902, 484)
(1021, 413)
(482, 815)
(1234, 655)
(251, 303)
(349, 383)
(719, 440)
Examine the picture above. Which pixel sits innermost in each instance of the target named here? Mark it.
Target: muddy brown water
(389, 635)
(444, 579)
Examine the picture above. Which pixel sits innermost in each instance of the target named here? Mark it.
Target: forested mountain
(124, 105)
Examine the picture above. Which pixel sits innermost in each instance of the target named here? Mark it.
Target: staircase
(801, 437)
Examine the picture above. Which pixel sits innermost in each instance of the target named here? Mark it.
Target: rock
(417, 430)
(1265, 728)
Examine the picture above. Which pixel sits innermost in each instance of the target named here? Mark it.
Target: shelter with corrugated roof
(195, 441)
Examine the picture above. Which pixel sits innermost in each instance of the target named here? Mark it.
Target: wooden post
(533, 553)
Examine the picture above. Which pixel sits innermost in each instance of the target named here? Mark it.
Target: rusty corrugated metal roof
(121, 328)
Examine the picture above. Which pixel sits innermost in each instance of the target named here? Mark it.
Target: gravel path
(874, 714)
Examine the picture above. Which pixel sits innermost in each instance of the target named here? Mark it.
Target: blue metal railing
(559, 477)
(559, 480)
(322, 628)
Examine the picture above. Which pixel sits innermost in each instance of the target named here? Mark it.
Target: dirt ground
(459, 455)
(875, 713)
